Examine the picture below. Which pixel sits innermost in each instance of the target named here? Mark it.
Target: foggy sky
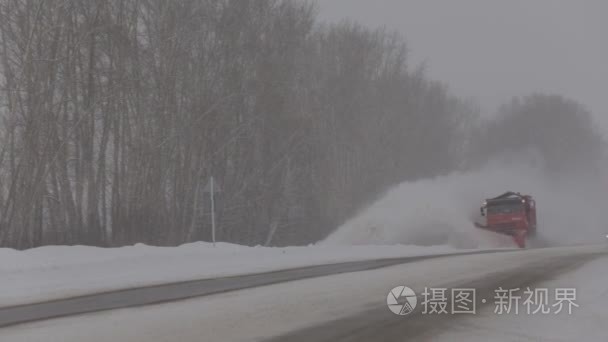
(491, 50)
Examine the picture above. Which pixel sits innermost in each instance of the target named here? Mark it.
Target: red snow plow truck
(510, 214)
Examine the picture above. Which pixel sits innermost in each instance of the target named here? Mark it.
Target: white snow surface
(262, 312)
(56, 272)
(587, 322)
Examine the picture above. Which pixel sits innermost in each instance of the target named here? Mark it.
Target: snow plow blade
(518, 236)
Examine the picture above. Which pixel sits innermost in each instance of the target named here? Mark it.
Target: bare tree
(116, 113)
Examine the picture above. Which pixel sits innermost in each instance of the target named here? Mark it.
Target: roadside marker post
(212, 188)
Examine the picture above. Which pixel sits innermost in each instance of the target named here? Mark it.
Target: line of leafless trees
(116, 112)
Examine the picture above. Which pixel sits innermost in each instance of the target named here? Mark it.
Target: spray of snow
(442, 210)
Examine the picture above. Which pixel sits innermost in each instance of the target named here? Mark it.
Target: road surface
(189, 289)
(379, 324)
(344, 307)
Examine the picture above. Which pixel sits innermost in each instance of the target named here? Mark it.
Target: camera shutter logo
(401, 300)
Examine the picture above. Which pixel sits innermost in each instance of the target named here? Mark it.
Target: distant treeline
(115, 114)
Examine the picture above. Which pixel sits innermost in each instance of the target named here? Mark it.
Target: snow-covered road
(57, 272)
(291, 309)
(587, 322)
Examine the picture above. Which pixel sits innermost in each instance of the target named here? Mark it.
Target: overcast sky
(491, 50)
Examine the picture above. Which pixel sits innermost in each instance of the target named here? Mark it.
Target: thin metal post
(211, 193)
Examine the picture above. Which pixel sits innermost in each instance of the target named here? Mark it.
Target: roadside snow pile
(55, 272)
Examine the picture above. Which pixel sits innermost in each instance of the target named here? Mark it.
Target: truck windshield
(504, 208)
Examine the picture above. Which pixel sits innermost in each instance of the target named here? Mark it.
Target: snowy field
(48, 273)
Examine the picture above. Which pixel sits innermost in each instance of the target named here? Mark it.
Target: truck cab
(511, 214)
